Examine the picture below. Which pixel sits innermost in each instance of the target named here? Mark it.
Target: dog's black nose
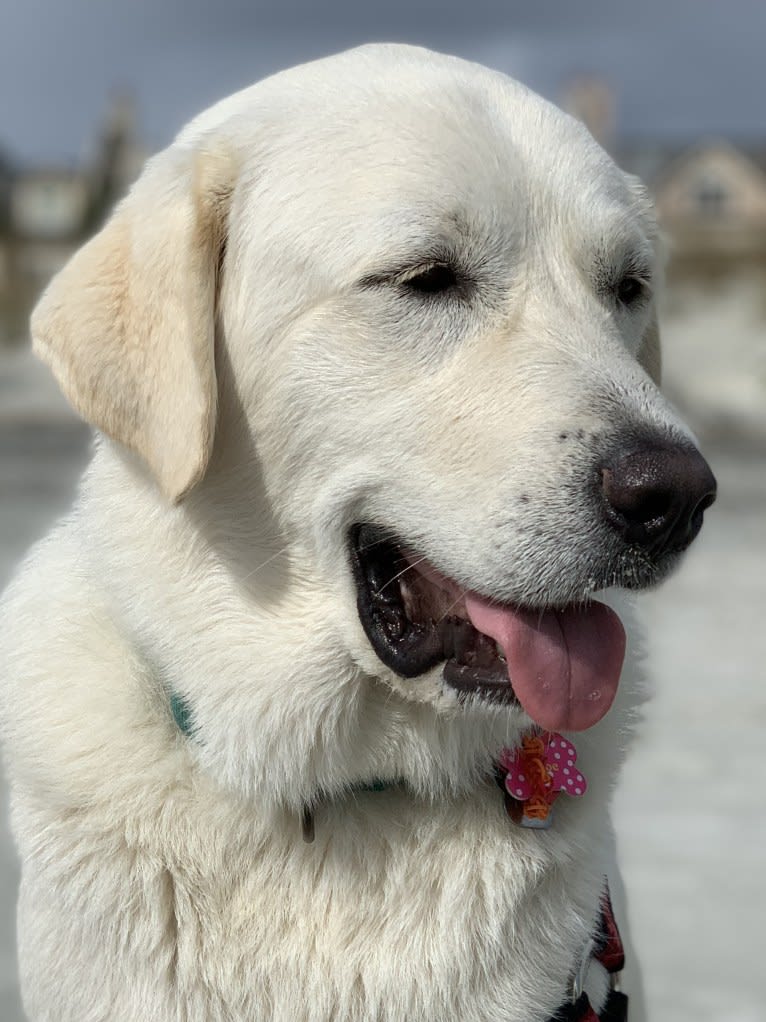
(656, 495)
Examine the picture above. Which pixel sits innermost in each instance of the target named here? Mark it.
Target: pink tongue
(564, 665)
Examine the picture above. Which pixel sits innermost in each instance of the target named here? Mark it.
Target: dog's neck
(334, 728)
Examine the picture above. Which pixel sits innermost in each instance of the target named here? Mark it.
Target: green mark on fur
(182, 714)
(373, 786)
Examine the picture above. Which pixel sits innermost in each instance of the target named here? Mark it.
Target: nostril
(695, 522)
(633, 498)
(652, 506)
(656, 496)
(707, 500)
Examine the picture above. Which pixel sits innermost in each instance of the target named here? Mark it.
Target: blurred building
(711, 201)
(711, 204)
(710, 196)
(47, 212)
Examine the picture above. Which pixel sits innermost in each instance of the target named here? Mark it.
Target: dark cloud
(679, 67)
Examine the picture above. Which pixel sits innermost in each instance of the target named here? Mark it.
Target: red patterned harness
(605, 948)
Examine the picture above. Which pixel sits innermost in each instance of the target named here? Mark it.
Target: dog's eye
(426, 279)
(432, 280)
(629, 290)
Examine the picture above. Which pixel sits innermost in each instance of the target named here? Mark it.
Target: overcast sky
(679, 68)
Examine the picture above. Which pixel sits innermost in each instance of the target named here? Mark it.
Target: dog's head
(403, 309)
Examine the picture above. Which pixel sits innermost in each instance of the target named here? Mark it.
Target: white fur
(165, 877)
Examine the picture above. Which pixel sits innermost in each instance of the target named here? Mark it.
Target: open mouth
(561, 665)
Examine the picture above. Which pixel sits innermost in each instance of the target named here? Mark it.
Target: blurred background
(676, 91)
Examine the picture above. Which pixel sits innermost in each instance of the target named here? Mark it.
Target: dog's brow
(425, 255)
(635, 256)
(432, 236)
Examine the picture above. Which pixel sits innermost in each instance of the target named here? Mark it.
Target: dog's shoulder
(48, 590)
(70, 677)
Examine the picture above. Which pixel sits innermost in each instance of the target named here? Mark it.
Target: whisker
(453, 604)
(268, 560)
(399, 574)
(386, 538)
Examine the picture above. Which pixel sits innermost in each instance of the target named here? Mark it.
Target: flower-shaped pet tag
(536, 772)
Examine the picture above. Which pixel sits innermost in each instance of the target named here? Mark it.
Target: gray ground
(691, 809)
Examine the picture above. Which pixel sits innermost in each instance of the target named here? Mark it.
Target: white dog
(371, 351)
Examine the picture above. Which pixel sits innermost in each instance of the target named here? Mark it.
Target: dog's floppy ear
(128, 324)
(650, 353)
